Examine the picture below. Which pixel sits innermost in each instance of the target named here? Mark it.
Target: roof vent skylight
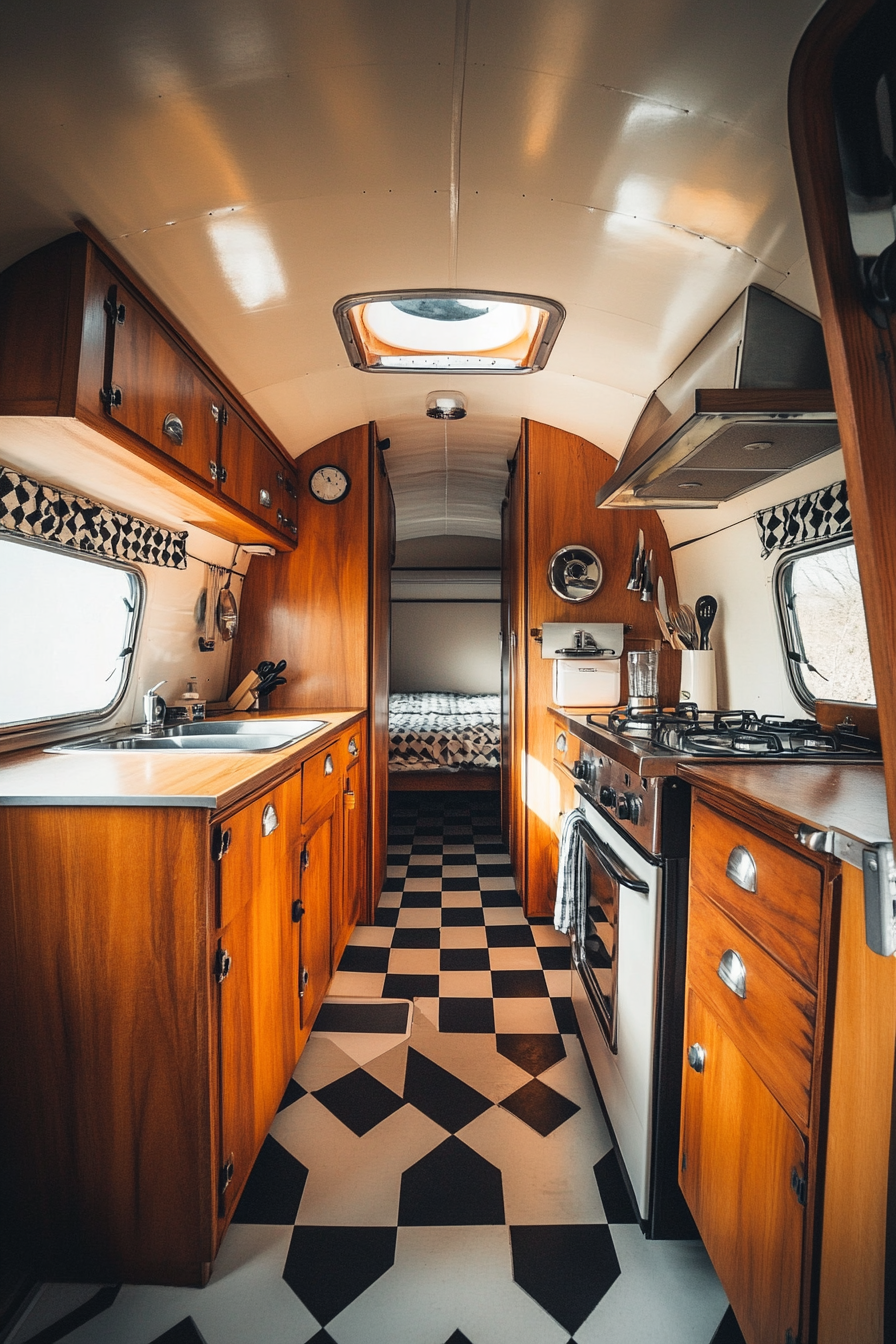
(448, 330)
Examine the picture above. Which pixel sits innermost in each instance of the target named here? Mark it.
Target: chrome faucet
(153, 710)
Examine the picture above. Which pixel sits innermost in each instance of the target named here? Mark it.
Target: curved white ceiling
(256, 160)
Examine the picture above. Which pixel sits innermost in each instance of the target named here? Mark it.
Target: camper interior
(447, 678)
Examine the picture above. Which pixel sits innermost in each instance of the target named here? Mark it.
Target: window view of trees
(827, 625)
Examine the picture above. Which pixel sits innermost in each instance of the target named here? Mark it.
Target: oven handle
(607, 861)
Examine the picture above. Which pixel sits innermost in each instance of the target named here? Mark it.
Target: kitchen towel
(572, 886)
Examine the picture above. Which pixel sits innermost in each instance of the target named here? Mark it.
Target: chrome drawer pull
(328, 764)
(697, 1057)
(733, 973)
(741, 868)
(353, 746)
(269, 820)
(561, 742)
(173, 428)
(264, 498)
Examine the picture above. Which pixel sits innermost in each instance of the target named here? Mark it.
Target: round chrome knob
(607, 796)
(697, 1057)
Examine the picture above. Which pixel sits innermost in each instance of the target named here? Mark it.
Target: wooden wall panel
(562, 474)
(310, 606)
(382, 552)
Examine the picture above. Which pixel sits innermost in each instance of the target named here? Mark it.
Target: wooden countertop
(36, 778)
(849, 799)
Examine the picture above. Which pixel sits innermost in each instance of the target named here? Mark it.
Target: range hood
(752, 401)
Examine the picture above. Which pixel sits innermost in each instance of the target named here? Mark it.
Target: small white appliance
(587, 662)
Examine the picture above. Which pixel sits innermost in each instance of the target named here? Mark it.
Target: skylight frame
(432, 362)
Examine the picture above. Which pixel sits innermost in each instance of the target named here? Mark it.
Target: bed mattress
(444, 730)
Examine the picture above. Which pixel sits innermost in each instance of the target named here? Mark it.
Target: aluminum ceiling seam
(461, 34)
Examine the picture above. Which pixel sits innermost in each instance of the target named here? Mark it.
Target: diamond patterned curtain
(36, 510)
(822, 514)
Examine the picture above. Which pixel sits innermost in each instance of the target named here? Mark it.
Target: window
(448, 330)
(822, 620)
(69, 624)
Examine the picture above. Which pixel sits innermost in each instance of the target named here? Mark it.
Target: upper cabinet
(101, 389)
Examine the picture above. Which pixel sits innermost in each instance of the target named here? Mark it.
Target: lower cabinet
(164, 968)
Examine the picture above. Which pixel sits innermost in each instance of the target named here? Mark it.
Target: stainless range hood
(752, 401)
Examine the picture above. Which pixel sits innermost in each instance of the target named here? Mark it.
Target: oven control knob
(580, 769)
(607, 796)
(628, 807)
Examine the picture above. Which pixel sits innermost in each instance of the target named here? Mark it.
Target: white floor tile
(461, 900)
(460, 870)
(423, 884)
(414, 961)
(395, 870)
(419, 919)
(465, 985)
(459, 849)
(504, 914)
(559, 984)
(521, 1015)
(371, 935)
(322, 1062)
(389, 899)
(546, 935)
(356, 985)
(497, 883)
(472, 1058)
(54, 1301)
(514, 959)
(399, 849)
(389, 1067)
(446, 1279)
(493, 858)
(473, 936)
(352, 1181)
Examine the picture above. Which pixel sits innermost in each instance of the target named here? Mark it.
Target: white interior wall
(728, 564)
(446, 646)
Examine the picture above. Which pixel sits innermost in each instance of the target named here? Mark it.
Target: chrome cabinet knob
(173, 428)
(697, 1057)
(328, 764)
(561, 744)
(733, 973)
(269, 820)
(741, 868)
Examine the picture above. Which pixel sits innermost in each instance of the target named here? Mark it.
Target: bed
(444, 739)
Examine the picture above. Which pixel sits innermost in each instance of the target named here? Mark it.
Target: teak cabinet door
(259, 1006)
(739, 1154)
(319, 866)
(354, 804)
(253, 477)
(156, 391)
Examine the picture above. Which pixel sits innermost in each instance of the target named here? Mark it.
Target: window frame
(792, 645)
(132, 636)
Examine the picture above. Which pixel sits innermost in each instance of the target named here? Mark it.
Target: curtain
(822, 514)
(35, 510)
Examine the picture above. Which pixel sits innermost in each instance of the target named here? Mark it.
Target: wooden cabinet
(354, 841)
(132, 400)
(754, 1076)
(164, 968)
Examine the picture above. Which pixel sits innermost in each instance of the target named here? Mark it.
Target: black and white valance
(815, 517)
(36, 510)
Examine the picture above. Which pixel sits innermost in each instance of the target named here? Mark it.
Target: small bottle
(192, 691)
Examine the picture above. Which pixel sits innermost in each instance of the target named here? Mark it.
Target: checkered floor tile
(451, 1185)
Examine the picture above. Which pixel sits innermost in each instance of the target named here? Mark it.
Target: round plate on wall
(329, 484)
(575, 573)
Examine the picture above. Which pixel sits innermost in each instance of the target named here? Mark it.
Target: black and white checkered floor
(453, 1185)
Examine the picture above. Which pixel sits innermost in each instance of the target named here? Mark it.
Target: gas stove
(737, 733)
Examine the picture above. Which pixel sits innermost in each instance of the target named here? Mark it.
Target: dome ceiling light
(446, 405)
(448, 330)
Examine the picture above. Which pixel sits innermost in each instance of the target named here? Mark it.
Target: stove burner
(687, 731)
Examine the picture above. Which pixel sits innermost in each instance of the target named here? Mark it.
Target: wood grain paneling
(738, 1149)
(854, 1232)
(382, 552)
(103, 1002)
(860, 355)
(774, 1026)
(784, 912)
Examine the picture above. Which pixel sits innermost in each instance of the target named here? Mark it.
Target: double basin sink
(232, 735)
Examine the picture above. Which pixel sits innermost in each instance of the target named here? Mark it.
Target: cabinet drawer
(351, 746)
(566, 747)
(784, 912)
(774, 1025)
(322, 779)
(255, 843)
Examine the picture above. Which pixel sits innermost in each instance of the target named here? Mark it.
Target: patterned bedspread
(444, 730)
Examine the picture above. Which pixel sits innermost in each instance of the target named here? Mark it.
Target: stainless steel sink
(233, 735)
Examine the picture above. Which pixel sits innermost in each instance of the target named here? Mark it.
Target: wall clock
(329, 484)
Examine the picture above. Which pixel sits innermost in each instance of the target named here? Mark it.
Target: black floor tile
(274, 1189)
(489, 846)
(465, 917)
(456, 1338)
(541, 919)
(375, 1018)
(447, 1100)
(495, 870)
(415, 938)
(418, 848)
(477, 1015)
(185, 1332)
(566, 1269)
(564, 1016)
(554, 958)
(491, 899)
(464, 959)
(519, 985)
(328, 1267)
(321, 1338)
(540, 1107)
(459, 883)
(614, 1196)
(728, 1330)
(393, 883)
(531, 1052)
(451, 1187)
(294, 1092)
(509, 935)
(411, 987)
(359, 1100)
(386, 917)
(374, 959)
(421, 900)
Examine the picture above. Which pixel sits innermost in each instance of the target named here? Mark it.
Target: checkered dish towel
(572, 884)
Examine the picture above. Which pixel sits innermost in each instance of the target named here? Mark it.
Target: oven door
(616, 1010)
(595, 946)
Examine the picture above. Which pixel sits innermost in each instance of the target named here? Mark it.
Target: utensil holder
(698, 679)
